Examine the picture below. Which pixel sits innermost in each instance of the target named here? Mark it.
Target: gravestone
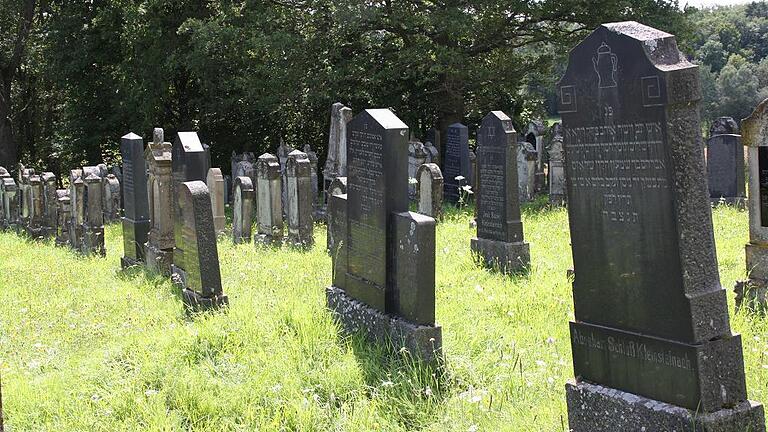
(3, 221)
(383, 276)
(200, 276)
(651, 340)
(190, 163)
(243, 165)
(499, 242)
(556, 173)
(227, 189)
(24, 196)
(215, 183)
(526, 169)
(299, 210)
(725, 162)
(10, 203)
(112, 199)
(64, 213)
(77, 199)
(269, 200)
(118, 172)
(457, 163)
(753, 292)
(336, 162)
(535, 136)
(160, 241)
(135, 221)
(317, 205)
(337, 223)
(50, 204)
(433, 154)
(242, 210)
(93, 226)
(430, 190)
(36, 207)
(282, 155)
(473, 173)
(417, 157)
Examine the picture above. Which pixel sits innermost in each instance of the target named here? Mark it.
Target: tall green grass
(87, 347)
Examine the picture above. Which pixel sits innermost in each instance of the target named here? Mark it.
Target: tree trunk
(450, 102)
(9, 148)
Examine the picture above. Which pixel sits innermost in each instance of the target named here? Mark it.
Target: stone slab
(506, 257)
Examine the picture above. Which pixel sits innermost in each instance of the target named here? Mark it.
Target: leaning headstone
(753, 292)
(64, 212)
(50, 204)
(299, 203)
(269, 206)
(215, 183)
(136, 222)
(383, 276)
(430, 190)
(10, 203)
(200, 277)
(242, 210)
(556, 171)
(93, 227)
(526, 169)
(337, 223)
(499, 242)
(36, 207)
(725, 162)
(651, 340)
(190, 163)
(160, 241)
(457, 163)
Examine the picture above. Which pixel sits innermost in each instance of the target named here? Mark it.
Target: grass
(86, 347)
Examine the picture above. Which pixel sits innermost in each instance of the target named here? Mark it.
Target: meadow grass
(85, 346)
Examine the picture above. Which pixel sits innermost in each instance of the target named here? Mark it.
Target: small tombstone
(725, 163)
(499, 242)
(430, 190)
(242, 210)
(269, 216)
(200, 277)
(753, 292)
(135, 190)
(189, 160)
(417, 157)
(93, 228)
(36, 207)
(526, 167)
(457, 161)
(335, 221)
(10, 203)
(383, 276)
(556, 173)
(50, 218)
(160, 240)
(299, 202)
(243, 165)
(64, 212)
(215, 183)
(651, 338)
(112, 198)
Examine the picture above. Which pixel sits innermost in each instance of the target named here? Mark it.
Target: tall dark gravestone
(753, 292)
(725, 162)
(456, 161)
(499, 242)
(136, 223)
(652, 345)
(383, 258)
(189, 162)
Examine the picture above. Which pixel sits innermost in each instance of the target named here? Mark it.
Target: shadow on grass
(154, 277)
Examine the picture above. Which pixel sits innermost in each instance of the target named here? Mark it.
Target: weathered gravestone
(433, 153)
(526, 169)
(64, 213)
(112, 198)
(190, 163)
(430, 190)
(337, 222)
(242, 210)
(3, 175)
(317, 204)
(243, 165)
(499, 242)
(24, 195)
(299, 202)
(269, 206)
(198, 275)
(384, 269)
(50, 204)
(725, 162)
(77, 197)
(93, 226)
(652, 345)
(457, 163)
(10, 203)
(215, 183)
(283, 150)
(556, 169)
(160, 242)
(535, 136)
(36, 207)
(136, 222)
(753, 292)
(417, 157)
(336, 162)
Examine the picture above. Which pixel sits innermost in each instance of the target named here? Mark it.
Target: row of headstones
(74, 216)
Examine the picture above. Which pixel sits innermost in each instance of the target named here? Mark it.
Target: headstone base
(738, 202)
(594, 408)
(159, 260)
(193, 300)
(423, 342)
(506, 257)
(752, 294)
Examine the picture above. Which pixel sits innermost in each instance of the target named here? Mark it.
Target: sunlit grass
(86, 347)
